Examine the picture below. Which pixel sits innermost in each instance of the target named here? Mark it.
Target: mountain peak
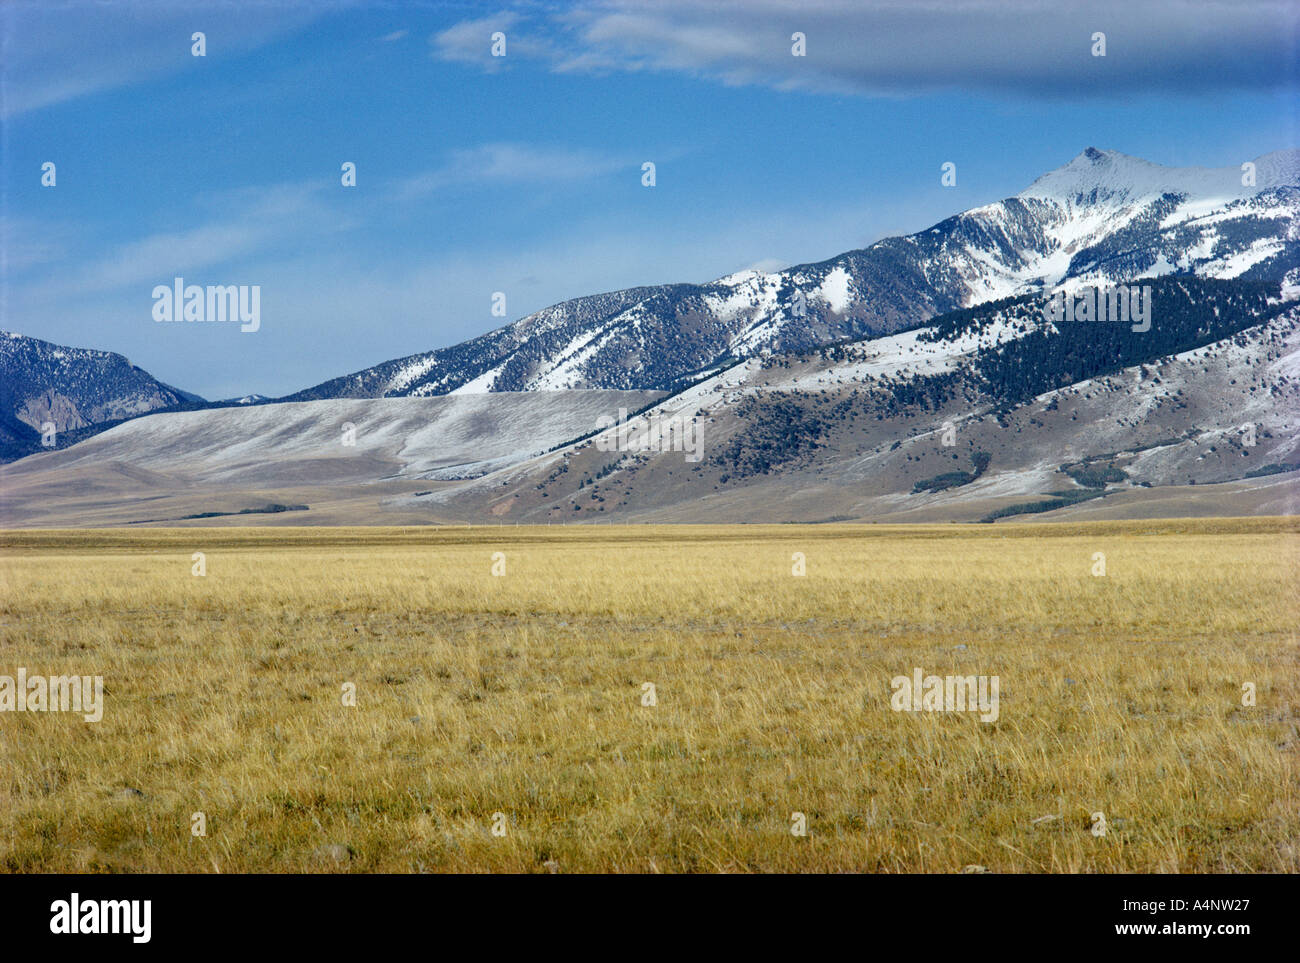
(1278, 168)
(1108, 176)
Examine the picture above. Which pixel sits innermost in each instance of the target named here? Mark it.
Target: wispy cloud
(470, 41)
(242, 223)
(27, 243)
(507, 163)
(58, 52)
(903, 47)
(766, 265)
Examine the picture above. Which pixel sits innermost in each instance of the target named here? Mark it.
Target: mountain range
(1102, 218)
(917, 378)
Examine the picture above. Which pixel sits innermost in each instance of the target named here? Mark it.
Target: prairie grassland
(522, 694)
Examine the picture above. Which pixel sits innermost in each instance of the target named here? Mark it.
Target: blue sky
(522, 174)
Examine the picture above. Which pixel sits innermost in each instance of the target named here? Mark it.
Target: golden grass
(522, 695)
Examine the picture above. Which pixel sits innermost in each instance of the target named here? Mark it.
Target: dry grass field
(521, 694)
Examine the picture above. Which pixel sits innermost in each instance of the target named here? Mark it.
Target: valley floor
(656, 699)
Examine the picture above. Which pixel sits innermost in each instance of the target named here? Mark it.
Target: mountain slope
(174, 465)
(1103, 218)
(1038, 416)
(987, 412)
(71, 388)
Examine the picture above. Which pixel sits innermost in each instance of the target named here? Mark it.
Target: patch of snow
(836, 290)
(480, 385)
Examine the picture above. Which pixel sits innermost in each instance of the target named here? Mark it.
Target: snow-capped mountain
(71, 388)
(996, 411)
(1103, 217)
(983, 413)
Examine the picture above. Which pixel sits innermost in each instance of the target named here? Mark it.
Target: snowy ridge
(1117, 179)
(1102, 218)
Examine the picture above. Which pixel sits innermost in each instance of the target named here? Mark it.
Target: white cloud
(765, 265)
(901, 47)
(470, 41)
(246, 222)
(511, 163)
